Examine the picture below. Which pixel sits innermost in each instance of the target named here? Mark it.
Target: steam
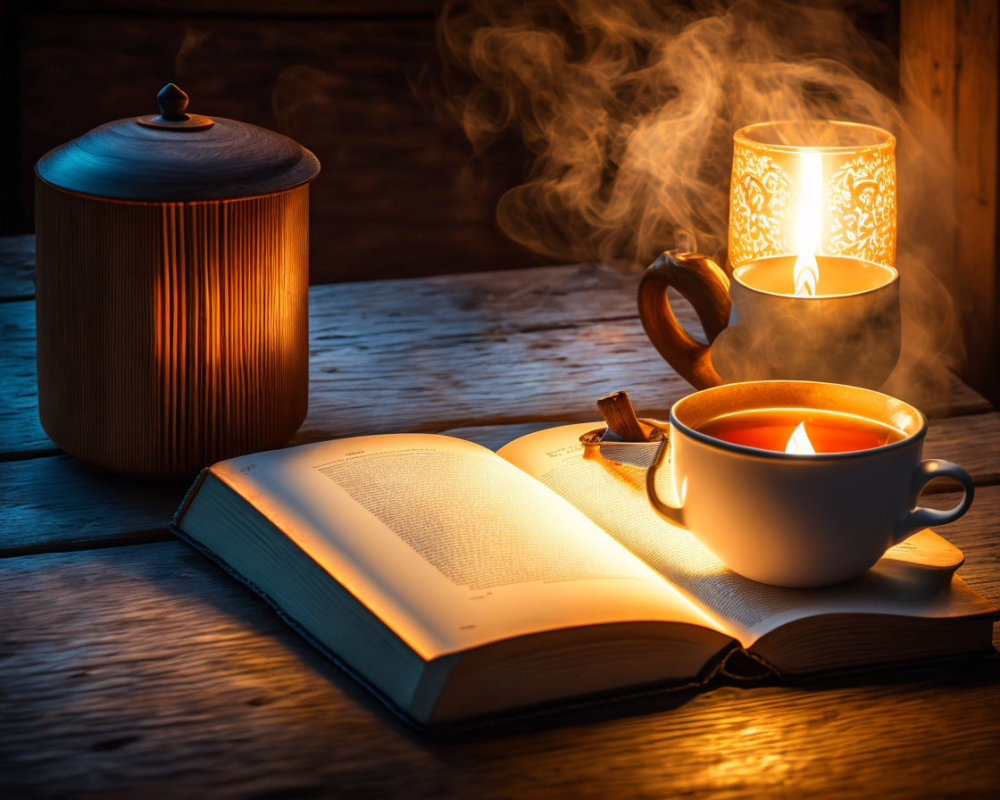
(629, 108)
(193, 39)
(302, 95)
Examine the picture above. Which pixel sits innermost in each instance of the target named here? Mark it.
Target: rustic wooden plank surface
(495, 377)
(17, 267)
(397, 340)
(59, 502)
(976, 536)
(20, 430)
(139, 666)
(164, 671)
(504, 347)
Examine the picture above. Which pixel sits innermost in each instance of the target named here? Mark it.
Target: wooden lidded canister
(172, 289)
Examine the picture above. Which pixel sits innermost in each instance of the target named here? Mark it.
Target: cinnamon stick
(621, 419)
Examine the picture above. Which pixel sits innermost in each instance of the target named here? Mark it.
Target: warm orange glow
(784, 430)
(808, 224)
(812, 189)
(798, 442)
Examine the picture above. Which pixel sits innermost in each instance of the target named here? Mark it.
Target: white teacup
(799, 520)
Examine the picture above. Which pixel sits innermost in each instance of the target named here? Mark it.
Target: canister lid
(174, 156)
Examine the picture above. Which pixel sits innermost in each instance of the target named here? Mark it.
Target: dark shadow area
(401, 192)
(58, 502)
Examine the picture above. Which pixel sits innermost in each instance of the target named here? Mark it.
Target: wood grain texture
(17, 267)
(171, 334)
(164, 671)
(950, 66)
(20, 430)
(144, 670)
(706, 286)
(977, 142)
(620, 419)
(221, 159)
(333, 9)
(359, 321)
(473, 349)
(60, 502)
(499, 375)
(401, 192)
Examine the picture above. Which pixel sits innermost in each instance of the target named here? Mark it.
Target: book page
(614, 496)
(448, 544)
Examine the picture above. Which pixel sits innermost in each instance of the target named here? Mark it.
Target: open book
(457, 582)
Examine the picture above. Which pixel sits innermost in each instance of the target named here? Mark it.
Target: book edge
(300, 629)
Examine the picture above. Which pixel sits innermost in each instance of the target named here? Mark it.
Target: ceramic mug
(758, 329)
(798, 520)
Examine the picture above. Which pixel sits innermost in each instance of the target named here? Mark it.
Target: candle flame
(798, 442)
(809, 223)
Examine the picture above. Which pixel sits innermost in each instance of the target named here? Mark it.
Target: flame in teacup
(798, 442)
(808, 224)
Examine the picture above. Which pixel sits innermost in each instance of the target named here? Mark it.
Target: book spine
(188, 497)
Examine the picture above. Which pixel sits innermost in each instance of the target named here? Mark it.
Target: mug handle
(674, 514)
(920, 518)
(706, 286)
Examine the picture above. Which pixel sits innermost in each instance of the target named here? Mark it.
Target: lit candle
(814, 276)
(809, 224)
(839, 275)
(812, 189)
(799, 442)
(812, 293)
(801, 431)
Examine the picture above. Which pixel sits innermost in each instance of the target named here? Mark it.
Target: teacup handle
(674, 514)
(920, 518)
(706, 287)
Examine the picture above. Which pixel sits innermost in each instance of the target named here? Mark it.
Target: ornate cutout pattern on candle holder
(858, 173)
(862, 201)
(758, 205)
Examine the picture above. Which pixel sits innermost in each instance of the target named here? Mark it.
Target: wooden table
(129, 664)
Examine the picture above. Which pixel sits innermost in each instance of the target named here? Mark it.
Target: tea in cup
(799, 483)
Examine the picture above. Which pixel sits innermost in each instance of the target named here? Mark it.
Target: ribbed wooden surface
(171, 335)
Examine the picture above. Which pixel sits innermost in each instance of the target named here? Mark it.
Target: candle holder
(812, 293)
(812, 188)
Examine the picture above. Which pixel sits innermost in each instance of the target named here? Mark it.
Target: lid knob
(172, 100)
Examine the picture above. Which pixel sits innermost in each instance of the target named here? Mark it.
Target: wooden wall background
(401, 192)
(949, 63)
